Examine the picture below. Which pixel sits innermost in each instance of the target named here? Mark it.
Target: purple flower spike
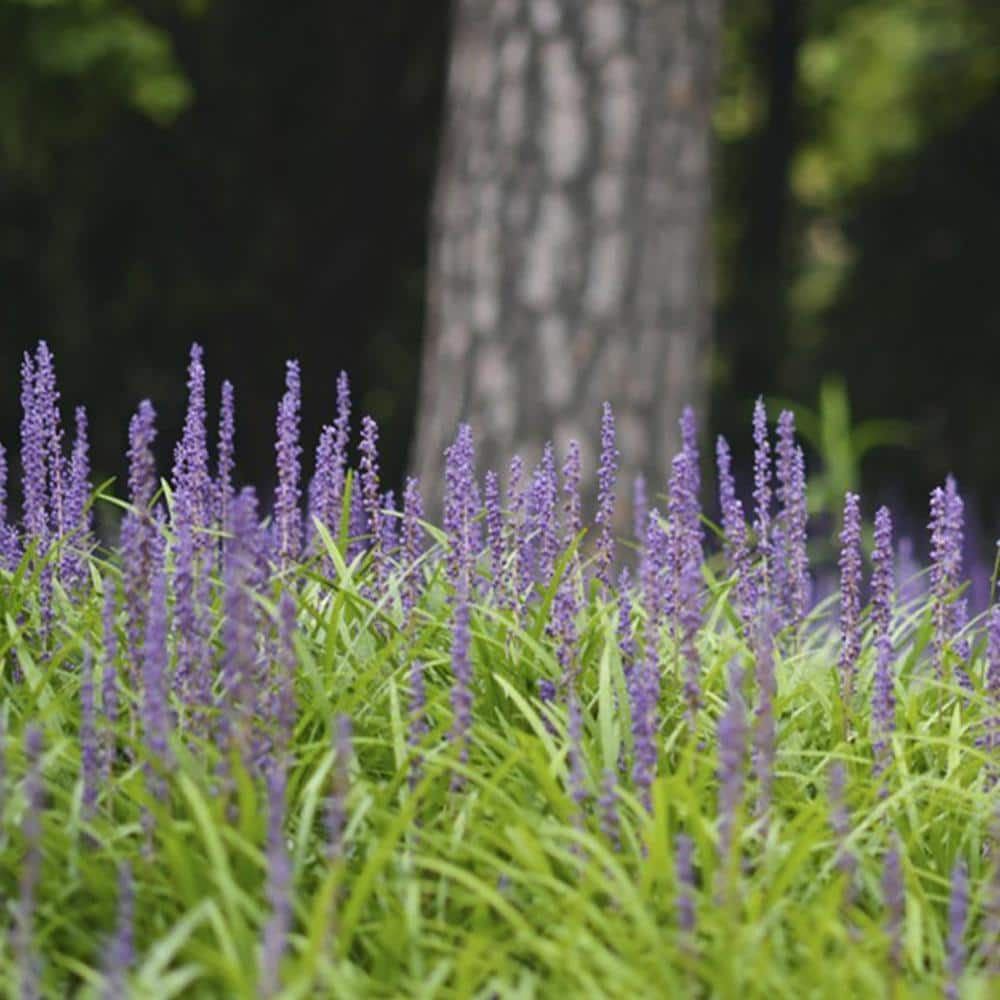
(894, 896)
(120, 951)
(138, 530)
(517, 577)
(322, 504)
(958, 915)
(992, 737)
(644, 679)
(226, 455)
(73, 568)
(239, 695)
(47, 409)
(850, 595)
(413, 546)
(732, 740)
(33, 459)
(684, 848)
(155, 665)
(689, 620)
(287, 516)
(792, 519)
(609, 808)
(279, 882)
(762, 475)
(494, 535)
(690, 489)
(31, 866)
(9, 554)
(626, 637)
(342, 435)
(640, 507)
(192, 482)
(946, 527)
(109, 680)
(606, 474)
(460, 508)
(370, 491)
(389, 538)
(461, 692)
(542, 508)
(840, 821)
(89, 752)
(572, 510)
(883, 700)
(728, 504)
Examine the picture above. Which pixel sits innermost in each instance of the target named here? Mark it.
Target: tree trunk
(569, 260)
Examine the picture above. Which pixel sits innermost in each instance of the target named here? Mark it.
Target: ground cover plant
(341, 751)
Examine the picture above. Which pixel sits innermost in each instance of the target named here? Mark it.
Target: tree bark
(569, 252)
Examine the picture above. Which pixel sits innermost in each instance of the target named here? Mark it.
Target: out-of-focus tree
(570, 256)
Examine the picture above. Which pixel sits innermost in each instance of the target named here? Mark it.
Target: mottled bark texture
(570, 258)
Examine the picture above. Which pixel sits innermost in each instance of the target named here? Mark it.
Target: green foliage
(69, 65)
(502, 887)
(840, 444)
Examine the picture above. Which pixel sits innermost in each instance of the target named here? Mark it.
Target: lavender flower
(138, 530)
(574, 732)
(691, 488)
(792, 519)
(732, 741)
(608, 804)
(47, 409)
(684, 851)
(192, 482)
(542, 510)
(946, 567)
(461, 692)
(226, 455)
(572, 516)
(109, 679)
(728, 504)
(78, 518)
(883, 702)
(33, 459)
(459, 507)
(894, 896)
(323, 505)
(9, 555)
(287, 516)
(239, 693)
(689, 620)
(626, 638)
(639, 508)
(89, 751)
(370, 493)
(958, 913)
(31, 866)
(342, 434)
(644, 679)
(606, 474)
(841, 823)
(279, 882)
(155, 665)
(389, 538)
(494, 534)
(991, 740)
(120, 951)
(413, 540)
(762, 474)
(339, 787)
(850, 595)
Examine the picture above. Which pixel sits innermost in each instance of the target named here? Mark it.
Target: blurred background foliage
(257, 177)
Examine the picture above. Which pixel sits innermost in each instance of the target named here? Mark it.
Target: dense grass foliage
(353, 754)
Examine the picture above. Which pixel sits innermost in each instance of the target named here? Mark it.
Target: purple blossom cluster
(522, 558)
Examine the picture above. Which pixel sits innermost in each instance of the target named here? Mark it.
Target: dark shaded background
(257, 178)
